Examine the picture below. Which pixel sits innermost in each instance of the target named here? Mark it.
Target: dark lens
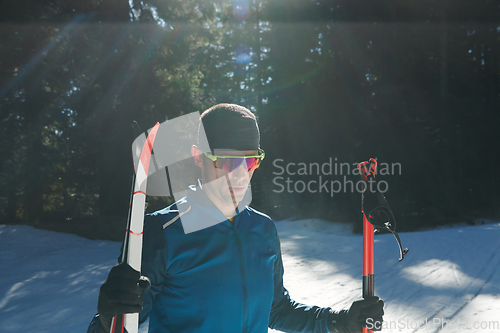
(252, 163)
(235, 163)
(231, 163)
(228, 163)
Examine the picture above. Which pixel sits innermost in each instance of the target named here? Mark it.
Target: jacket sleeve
(290, 316)
(93, 324)
(152, 267)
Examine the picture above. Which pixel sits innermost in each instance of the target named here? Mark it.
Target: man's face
(225, 187)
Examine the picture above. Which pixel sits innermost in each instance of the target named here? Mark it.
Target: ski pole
(368, 262)
(377, 215)
(368, 168)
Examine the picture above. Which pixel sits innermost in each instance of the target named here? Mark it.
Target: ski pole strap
(375, 206)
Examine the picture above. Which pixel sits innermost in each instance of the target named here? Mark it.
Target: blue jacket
(226, 278)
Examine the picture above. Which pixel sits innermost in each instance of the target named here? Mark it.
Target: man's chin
(236, 197)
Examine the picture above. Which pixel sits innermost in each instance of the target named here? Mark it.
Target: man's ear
(197, 155)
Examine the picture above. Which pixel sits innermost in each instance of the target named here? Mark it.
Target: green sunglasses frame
(261, 154)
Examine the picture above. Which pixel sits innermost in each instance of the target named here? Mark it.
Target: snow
(49, 281)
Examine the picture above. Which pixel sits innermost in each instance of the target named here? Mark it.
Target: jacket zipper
(242, 270)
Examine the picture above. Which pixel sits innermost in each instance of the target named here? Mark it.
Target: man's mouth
(238, 189)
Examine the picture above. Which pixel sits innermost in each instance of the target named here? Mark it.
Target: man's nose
(241, 172)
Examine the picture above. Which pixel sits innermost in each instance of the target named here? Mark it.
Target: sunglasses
(231, 163)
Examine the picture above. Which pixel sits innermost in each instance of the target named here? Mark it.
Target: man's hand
(121, 293)
(352, 320)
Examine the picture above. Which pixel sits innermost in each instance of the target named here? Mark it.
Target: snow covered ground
(49, 281)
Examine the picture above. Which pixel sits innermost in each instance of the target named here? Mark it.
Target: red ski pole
(376, 213)
(368, 266)
(368, 169)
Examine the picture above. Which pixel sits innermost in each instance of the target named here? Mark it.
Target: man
(227, 274)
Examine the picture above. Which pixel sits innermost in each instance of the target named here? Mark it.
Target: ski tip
(137, 128)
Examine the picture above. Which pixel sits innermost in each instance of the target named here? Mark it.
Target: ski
(132, 246)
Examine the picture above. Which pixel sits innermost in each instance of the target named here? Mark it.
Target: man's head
(229, 126)
(226, 166)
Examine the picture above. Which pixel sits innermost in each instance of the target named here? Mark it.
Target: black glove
(362, 313)
(121, 293)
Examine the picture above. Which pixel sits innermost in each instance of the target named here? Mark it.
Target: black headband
(226, 129)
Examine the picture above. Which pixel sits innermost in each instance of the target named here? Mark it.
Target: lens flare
(243, 60)
(243, 54)
(241, 9)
